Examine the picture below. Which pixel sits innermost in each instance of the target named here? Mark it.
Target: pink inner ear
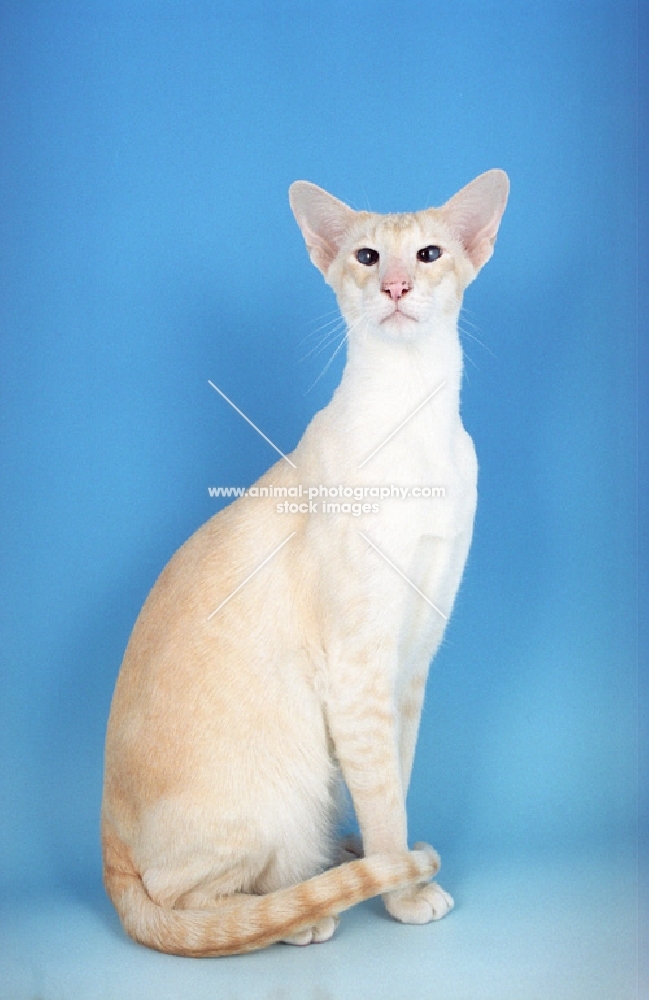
(474, 214)
(321, 251)
(323, 220)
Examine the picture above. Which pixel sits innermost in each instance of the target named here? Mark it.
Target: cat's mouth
(399, 315)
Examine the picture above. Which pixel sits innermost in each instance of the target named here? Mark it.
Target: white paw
(322, 931)
(418, 904)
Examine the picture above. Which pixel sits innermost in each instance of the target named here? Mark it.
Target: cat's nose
(396, 285)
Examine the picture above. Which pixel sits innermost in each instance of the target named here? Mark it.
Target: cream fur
(230, 733)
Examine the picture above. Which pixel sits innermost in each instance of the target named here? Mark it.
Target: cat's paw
(350, 848)
(322, 931)
(418, 904)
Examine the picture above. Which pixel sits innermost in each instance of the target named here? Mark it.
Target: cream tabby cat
(240, 710)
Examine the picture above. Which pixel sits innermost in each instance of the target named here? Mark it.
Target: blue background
(147, 246)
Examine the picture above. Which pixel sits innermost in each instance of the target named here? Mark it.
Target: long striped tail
(241, 922)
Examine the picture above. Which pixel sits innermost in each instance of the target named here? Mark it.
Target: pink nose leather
(396, 284)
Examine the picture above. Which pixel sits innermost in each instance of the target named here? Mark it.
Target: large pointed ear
(323, 221)
(474, 214)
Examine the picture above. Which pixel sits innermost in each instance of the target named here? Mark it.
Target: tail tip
(431, 860)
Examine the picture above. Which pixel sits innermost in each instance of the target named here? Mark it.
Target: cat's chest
(430, 471)
(418, 449)
(417, 468)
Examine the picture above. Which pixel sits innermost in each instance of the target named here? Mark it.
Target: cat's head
(399, 272)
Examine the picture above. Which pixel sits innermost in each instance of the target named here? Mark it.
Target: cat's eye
(367, 256)
(428, 254)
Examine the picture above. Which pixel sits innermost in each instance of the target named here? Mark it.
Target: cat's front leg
(363, 723)
(363, 720)
(419, 904)
(437, 571)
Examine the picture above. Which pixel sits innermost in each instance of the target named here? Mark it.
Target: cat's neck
(390, 387)
(398, 372)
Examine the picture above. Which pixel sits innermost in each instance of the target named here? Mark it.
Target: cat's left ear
(474, 214)
(323, 220)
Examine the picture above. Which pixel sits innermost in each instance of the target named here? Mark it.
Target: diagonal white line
(403, 576)
(402, 424)
(249, 421)
(254, 573)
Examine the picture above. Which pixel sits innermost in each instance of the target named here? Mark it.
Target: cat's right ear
(323, 220)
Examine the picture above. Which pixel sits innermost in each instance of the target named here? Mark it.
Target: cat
(283, 651)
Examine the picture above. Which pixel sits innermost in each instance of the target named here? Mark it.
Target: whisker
(470, 360)
(335, 318)
(326, 339)
(485, 347)
(329, 312)
(466, 322)
(328, 364)
(343, 340)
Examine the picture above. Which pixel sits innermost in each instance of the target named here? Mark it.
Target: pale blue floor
(562, 930)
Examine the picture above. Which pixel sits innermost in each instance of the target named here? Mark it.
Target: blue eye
(429, 254)
(367, 257)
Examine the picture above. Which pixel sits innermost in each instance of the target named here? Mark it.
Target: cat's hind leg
(198, 885)
(323, 930)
